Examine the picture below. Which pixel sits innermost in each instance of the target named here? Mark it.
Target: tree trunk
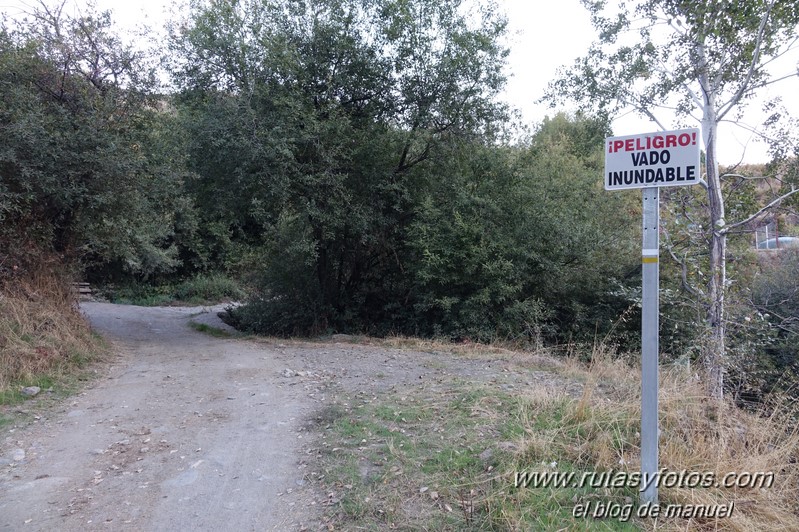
(714, 350)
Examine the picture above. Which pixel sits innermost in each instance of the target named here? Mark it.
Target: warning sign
(662, 159)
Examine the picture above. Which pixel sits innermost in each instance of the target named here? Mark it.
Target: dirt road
(186, 432)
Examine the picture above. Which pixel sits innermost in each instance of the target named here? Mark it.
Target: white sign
(662, 159)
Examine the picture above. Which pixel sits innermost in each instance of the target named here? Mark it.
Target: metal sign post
(650, 321)
(649, 161)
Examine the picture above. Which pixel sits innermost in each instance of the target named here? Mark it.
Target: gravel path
(186, 431)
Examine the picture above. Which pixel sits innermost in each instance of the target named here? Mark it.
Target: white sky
(545, 35)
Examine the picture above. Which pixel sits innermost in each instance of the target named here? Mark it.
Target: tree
(700, 61)
(515, 242)
(317, 122)
(78, 175)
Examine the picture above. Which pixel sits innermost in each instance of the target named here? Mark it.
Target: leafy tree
(707, 59)
(77, 170)
(515, 243)
(313, 126)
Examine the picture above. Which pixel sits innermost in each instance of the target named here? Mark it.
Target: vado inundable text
(652, 160)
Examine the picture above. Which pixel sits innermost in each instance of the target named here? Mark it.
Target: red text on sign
(656, 142)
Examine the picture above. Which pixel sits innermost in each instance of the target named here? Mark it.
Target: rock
(31, 391)
(487, 455)
(18, 455)
(288, 373)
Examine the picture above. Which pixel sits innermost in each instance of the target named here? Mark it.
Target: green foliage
(288, 299)
(699, 61)
(203, 288)
(651, 50)
(523, 244)
(80, 169)
(208, 287)
(312, 129)
(138, 293)
(367, 174)
(216, 332)
(504, 244)
(349, 152)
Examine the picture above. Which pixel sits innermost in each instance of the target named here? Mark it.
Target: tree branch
(653, 118)
(759, 213)
(695, 292)
(772, 81)
(753, 66)
(784, 51)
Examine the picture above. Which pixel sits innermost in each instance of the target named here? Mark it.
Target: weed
(216, 332)
(206, 288)
(45, 341)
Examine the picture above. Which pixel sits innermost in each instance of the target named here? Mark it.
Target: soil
(186, 431)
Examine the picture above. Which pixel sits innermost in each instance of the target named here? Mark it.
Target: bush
(201, 289)
(765, 337)
(490, 244)
(84, 169)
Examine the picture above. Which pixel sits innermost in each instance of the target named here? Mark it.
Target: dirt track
(186, 432)
(190, 432)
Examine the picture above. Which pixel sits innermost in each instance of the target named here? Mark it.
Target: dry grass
(599, 432)
(42, 334)
(422, 440)
(539, 359)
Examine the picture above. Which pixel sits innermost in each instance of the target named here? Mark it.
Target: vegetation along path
(189, 431)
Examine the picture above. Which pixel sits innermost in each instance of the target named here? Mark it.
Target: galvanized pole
(649, 344)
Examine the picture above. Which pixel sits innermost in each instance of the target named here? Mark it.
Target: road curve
(185, 432)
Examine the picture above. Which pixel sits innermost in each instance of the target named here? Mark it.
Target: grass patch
(448, 463)
(202, 289)
(216, 332)
(457, 459)
(44, 341)
(139, 294)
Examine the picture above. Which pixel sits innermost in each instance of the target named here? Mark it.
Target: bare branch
(750, 129)
(788, 48)
(694, 96)
(695, 292)
(759, 213)
(653, 118)
(753, 66)
(745, 177)
(785, 321)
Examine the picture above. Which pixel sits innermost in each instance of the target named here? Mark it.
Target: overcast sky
(544, 35)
